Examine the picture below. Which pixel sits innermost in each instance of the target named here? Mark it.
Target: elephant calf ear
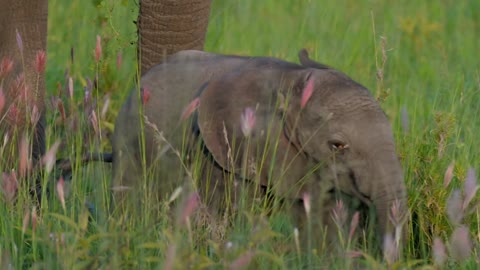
(235, 112)
(212, 122)
(249, 101)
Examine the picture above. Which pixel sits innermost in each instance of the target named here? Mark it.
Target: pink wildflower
(448, 174)
(353, 225)
(189, 207)
(307, 203)
(2, 99)
(191, 107)
(50, 157)
(9, 186)
(40, 61)
(247, 120)
(470, 187)
(98, 49)
(61, 191)
(243, 260)
(460, 244)
(439, 252)
(6, 66)
(145, 93)
(19, 41)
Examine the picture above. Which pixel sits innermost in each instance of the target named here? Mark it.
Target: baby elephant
(303, 133)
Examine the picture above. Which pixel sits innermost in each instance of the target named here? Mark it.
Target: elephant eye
(337, 146)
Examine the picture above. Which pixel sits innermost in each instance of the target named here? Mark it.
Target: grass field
(419, 58)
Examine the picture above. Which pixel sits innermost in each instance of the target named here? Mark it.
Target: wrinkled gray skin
(164, 27)
(340, 142)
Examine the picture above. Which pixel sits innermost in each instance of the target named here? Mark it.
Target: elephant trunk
(389, 196)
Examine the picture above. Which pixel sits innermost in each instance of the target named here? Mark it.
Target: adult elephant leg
(28, 18)
(168, 26)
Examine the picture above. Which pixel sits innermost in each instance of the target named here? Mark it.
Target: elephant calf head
(300, 130)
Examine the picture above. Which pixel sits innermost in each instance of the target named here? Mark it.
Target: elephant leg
(226, 198)
(23, 33)
(317, 228)
(38, 150)
(168, 26)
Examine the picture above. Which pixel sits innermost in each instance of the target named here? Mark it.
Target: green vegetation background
(420, 58)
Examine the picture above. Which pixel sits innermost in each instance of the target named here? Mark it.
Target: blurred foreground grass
(419, 58)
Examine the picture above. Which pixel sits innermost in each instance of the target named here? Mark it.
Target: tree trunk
(168, 26)
(23, 32)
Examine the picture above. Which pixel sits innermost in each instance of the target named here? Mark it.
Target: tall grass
(418, 58)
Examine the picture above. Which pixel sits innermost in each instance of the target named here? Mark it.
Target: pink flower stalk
(61, 192)
(390, 249)
(20, 87)
(19, 41)
(12, 114)
(34, 218)
(470, 187)
(70, 87)
(6, 66)
(460, 244)
(26, 221)
(106, 104)
(98, 49)
(49, 158)
(340, 214)
(87, 95)
(189, 207)
(307, 204)
(94, 121)
(353, 225)
(296, 237)
(119, 60)
(2, 99)
(448, 174)
(170, 259)
(35, 115)
(307, 93)
(247, 120)
(61, 109)
(9, 186)
(439, 252)
(454, 207)
(40, 61)
(397, 215)
(145, 93)
(191, 107)
(242, 261)
(352, 254)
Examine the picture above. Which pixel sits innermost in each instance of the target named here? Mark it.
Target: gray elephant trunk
(389, 197)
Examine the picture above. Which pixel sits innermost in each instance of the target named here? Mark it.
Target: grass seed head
(247, 120)
(439, 252)
(460, 244)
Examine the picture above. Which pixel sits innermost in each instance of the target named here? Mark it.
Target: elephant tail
(309, 63)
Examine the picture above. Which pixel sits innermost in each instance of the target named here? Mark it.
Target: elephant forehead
(360, 127)
(357, 111)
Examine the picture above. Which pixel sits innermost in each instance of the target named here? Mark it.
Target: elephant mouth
(365, 199)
